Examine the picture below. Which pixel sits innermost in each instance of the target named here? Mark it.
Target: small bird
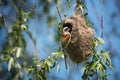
(66, 35)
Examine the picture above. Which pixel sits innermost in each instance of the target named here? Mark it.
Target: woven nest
(81, 42)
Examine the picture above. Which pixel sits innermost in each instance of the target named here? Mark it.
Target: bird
(77, 39)
(66, 34)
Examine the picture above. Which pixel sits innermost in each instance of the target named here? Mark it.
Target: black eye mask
(67, 27)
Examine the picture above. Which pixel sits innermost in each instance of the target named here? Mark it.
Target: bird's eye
(67, 27)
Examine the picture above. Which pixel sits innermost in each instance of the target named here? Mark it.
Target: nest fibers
(80, 35)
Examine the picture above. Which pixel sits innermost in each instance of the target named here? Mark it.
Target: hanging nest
(80, 45)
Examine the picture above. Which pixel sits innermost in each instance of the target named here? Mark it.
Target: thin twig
(35, 53)
(5, 23)
(14, 5)
(25, 4)
(96, 12)
(58, 12)
(34, 28)
(102, 13)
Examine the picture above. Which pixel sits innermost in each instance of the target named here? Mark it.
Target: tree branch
(58, 12)
(14, 5)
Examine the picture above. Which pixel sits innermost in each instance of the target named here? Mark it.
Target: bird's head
(66, 32)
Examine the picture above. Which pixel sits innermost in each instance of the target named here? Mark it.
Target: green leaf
(102, 70)
(106, 56)
(100, 40)
(40, 77)
(93, 65)
(35, 60)
(30, 70)
(49, 62)
(24, 19)
(18, 65)
(46, 67)
(5, 58)
(58, 54)
(10, 63)
(19, 51)
(23, 26)
(83, 5)
(22, 12)
(111, 67)
(95, 43)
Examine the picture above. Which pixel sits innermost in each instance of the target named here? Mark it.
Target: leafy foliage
(15, 49)
(99, 63)
(45, 65)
